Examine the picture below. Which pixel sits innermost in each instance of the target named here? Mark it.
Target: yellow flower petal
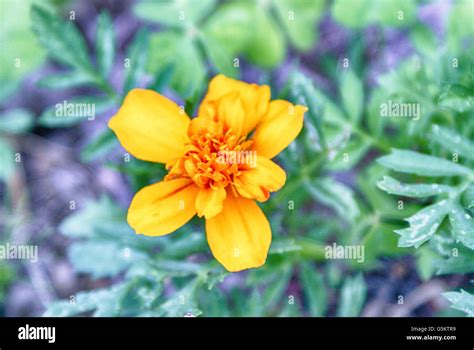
(231, 112)
(209, 202)
(258, 182)
(163, 207)
(240, 235)
(275, 108)
(150, 126)
(281, 125)
(198, 125)
(254, 98)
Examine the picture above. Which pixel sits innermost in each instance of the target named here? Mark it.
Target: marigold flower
(208, 161)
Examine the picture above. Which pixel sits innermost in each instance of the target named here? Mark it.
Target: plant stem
(303, 175)
(311, 249)
(108, 89)
(377, 143)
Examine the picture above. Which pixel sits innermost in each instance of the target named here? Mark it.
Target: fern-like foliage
(446, 220)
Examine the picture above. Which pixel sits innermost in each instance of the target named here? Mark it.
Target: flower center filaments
(213, 159)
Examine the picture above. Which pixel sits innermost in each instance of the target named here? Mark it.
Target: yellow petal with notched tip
(240, 235)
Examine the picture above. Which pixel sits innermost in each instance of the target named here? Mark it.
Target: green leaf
(230, 20)
(361, 13)
(267, 47)
(214, 303)
(105, 43)
(300, 18)
(174, 13)
(352, 13)
(462, 225)
(100, 258)
(352, 297)
(7, 160)
(303, 92)
(139, 296)
(379, 242)
(7, 275)
(291, 310)
(421, 164)
(460, 24)
(215, 279)
(395, 13)
(137, 58)
(457, 98)
(375, 124)
(101, 215)
(461, 264)
(162, 51)
(190, 73)
(182, 303)
(106, 304)
(461, 301)
(61, 38)
(181, 52)
(81, 106)
(352, 94)
(423, 224)
(277, 287)
(457, 258)
(348, 154)
(16, 121)
(66, 80)
(393, 186)
(162, 77)
(379, 202)
(181, 248)
(425, 263)
(103, 220)
(7, 88)
(467, 197)
(452, 141)
(253, 305)
(314, 290)
(100, 146)
(220, 58)
(21, 52)
(336, 195)
(103, 301)
(424, 39)
(319, 104)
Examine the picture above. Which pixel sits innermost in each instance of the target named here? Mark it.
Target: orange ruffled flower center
(212, 157)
